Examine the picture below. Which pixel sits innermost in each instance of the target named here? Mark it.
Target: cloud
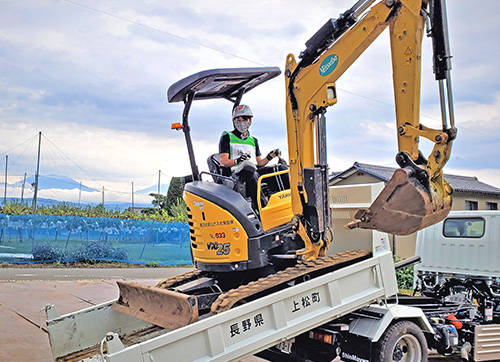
(92, 77)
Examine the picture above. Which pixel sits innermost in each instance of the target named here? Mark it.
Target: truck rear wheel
(401, 342)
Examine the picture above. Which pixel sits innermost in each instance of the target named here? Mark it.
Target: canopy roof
(220, 83)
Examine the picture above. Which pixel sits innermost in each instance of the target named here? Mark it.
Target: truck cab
(464, 245)
(460, 265)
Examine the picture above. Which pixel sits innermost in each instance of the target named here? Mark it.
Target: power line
(237, 56)
(29, 142)
(74, 163)
(162, 31)
(421, 114)
(56, 157)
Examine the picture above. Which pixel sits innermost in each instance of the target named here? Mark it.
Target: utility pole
(159, 191)
(159, 181)
(5, 192)
(35, 196)
(80, 194)
(132, 196)
(22, 190)
(103, 196)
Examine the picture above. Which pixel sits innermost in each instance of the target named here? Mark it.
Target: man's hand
(273, 154)
(244, 157)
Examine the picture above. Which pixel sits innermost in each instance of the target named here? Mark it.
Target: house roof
(466, 184)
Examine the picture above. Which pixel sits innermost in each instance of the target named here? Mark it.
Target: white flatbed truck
(353, 312)
(101, 333)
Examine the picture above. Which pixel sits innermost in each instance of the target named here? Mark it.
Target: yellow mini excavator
(241, 253)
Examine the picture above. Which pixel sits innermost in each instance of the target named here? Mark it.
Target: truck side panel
(474, 253)
(487, 342)
(247, 329)
(87, 327)
(265, 322)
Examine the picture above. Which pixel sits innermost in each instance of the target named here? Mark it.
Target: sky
(92, 77)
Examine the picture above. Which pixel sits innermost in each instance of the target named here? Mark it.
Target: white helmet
(242, 111)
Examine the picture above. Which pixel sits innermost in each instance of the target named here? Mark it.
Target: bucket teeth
(164, 308)
(404, 206)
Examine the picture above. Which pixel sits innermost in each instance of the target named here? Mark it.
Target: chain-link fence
(43, 238)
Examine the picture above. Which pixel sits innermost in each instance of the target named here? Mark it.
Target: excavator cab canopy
(230, 83)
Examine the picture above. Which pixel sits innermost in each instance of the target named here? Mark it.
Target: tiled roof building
(358, 186)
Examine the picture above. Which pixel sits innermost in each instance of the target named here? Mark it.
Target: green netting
(44, 238)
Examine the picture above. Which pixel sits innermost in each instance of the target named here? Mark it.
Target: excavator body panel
(216, 236)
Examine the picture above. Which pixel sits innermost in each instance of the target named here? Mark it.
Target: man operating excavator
(238, 146)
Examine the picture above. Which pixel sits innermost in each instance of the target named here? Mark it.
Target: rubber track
(227, 300)
(178, 279)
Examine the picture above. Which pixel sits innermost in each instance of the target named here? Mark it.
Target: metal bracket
(51, 312)
(113, 343)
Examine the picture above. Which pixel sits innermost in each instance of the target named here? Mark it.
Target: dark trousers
(272, 183)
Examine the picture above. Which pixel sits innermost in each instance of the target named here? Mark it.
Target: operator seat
(216, 168)
(239, 176)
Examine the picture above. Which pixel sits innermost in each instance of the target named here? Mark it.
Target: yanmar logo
(284, 196)
(328, 65)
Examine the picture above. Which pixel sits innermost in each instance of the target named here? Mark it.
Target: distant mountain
(40, 201)
(46, 182)
(153, 189)
(112, 205)
(54, 182)
(57, 182)
(118, 205)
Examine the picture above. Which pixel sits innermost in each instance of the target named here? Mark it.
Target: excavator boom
(417, 195)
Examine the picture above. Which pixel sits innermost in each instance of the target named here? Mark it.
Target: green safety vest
(238, 147)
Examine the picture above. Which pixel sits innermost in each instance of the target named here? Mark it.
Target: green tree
(404, 276)
(174, 195)
(179, 212)
(159, 201)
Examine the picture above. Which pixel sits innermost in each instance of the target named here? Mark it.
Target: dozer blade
(164, 308)
(404, 206)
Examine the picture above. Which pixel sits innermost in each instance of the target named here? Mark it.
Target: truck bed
(231, 335)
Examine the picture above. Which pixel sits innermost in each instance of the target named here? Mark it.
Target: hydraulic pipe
(360, 7)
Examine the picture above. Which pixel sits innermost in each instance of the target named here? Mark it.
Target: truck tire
(401, 342)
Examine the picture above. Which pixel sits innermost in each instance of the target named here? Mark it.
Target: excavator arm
(417, 195)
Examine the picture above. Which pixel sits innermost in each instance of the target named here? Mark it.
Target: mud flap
(408, 203)
(164, 308)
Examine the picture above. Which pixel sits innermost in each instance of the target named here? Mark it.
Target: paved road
(73, 274)
(24, 292)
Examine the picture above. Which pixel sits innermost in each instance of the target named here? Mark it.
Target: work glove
(273, 154)
(243, 157)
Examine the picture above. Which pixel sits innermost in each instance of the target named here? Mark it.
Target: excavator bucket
(164, 308)
(404, 206)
